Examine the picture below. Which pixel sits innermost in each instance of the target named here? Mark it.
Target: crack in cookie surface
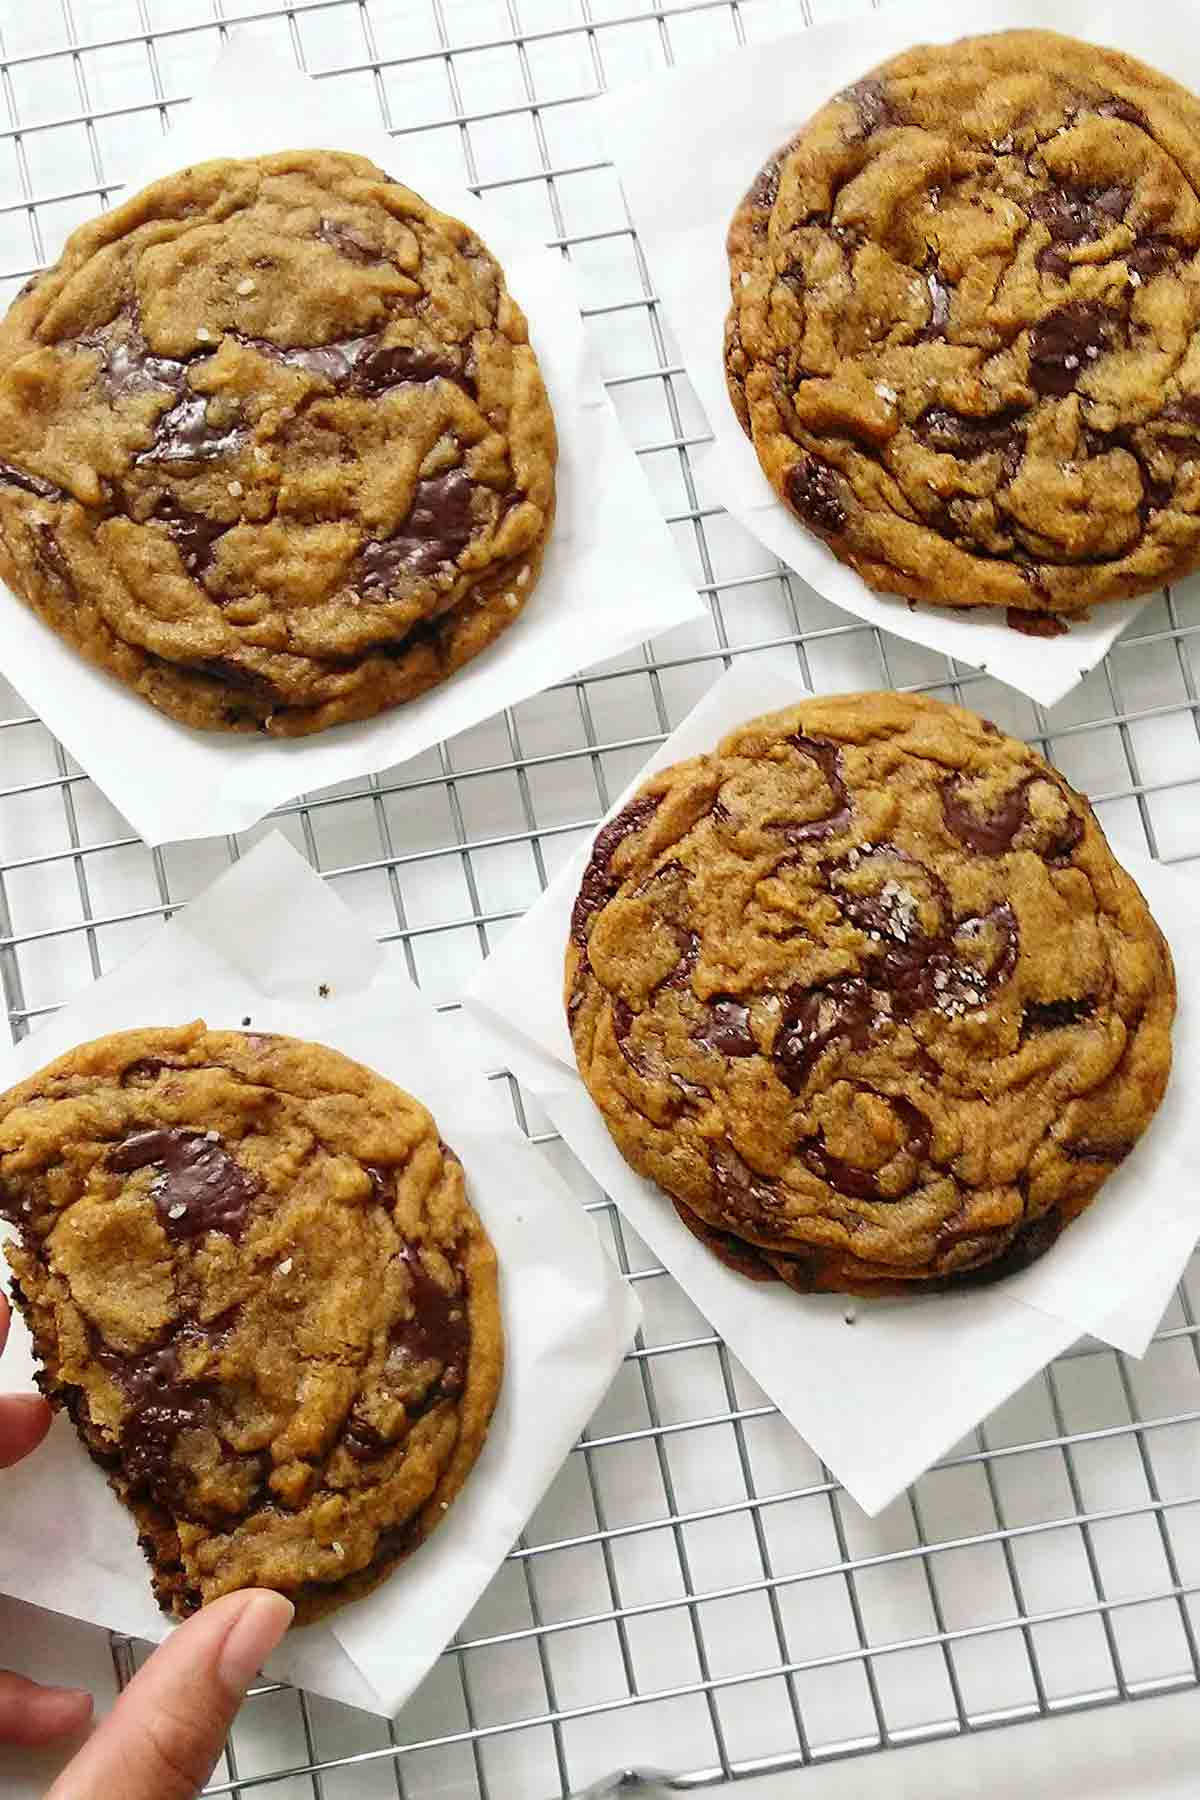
(866, 993)
(274, 446)
(965, 325)
(254, 1280)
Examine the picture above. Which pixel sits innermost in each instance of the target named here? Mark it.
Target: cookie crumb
(323, 990)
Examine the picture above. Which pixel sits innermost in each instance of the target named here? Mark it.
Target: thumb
(166, 1731)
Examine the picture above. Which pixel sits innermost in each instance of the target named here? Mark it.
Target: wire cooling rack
(696, 1593)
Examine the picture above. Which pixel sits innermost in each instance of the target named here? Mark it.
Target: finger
(166, 1731)
(24, 1422)
(30, 1714)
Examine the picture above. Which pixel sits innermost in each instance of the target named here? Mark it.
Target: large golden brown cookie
(867, 994)
(274, 447)
(965, 329)
(255, 1282)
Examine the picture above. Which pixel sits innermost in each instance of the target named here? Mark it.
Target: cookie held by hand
(254, 1279)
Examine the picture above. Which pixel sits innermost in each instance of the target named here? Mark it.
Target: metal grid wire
(695, 1593)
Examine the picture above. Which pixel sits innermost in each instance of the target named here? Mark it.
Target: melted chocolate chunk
(864, 1184)
(48, 551)
(127, 364)
(1036, 624)
(842, 1011)
(29, 484)
(874, 109)
(161, 1406)
(814, 493)
(201, 1187)
(363, 1442)
(393, 365)
(726, 1029)
(912, 970)
(689, 951)
(1116, 108)
(1052, 261)
(143, 1072)
(1078, 215)
(192, 533)
(892, 912)
(1059, 345)
(363, 365)
(828, 759)
(687, 939)
(437, 530)
(955, 434)
(740, 1189)
(1003, 921)
(383, 1183)
(622, 1020)
(1114, 1152)
(232, 675)
(1150, 255)
(439, 1330)
(949, 976)
(992, 833)
(1185, 410)
(347, 242)
(185, 434)
(1052, 1015)
(598, 885)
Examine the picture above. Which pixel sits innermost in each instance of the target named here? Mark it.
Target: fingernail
(63, 1709)
(252, 1637)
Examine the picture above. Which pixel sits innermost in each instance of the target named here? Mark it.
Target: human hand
(165, 1733)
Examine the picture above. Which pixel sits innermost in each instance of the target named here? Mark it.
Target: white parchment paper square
(688, 144)
(610, 578)
(907, 1378)
(260, 942)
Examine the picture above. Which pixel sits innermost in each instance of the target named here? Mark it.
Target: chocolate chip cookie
(867, 994)
(274, 446)
(255, 1282)
(965, 326)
